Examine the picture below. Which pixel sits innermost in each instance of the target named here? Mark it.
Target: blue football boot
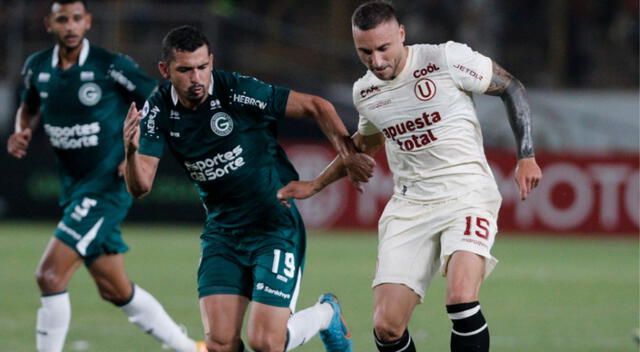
(336, 338)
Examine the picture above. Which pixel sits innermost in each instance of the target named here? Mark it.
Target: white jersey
(433, 138)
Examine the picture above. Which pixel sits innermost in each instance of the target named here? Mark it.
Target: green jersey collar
(174, 93)
(84, 52)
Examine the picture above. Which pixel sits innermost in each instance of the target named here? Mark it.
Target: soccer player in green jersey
(220, 127)
(80, 92)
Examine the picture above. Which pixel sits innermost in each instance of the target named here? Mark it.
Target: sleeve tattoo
(512, 93)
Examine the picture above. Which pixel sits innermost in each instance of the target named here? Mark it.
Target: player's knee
(49, 280)
(218, 346)
(266, 343)
(388, 326)
(227, 343)
(387, 330)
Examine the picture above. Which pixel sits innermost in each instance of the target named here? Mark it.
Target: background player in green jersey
(80, 92)
(220, 127)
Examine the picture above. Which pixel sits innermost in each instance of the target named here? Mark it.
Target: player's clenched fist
(131, 130)
(18, 143)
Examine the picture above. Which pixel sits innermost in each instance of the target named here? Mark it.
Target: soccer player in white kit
(416, 101)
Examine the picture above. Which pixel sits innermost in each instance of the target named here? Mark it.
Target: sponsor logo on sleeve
(151, 121)
(469, 71)
(145, 109)
(89, 94)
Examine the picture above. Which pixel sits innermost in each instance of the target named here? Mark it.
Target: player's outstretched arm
(140, 170)
(333, 172)
(359, 166)
(513, 94)
(18, 142)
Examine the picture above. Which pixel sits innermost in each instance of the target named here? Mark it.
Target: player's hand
(131, 130)
(18, 143)
(528, 175)
(296, 190)
(359, 168)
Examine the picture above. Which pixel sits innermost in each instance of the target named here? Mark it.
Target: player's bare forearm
(333, 172)
(337, 169)
(140, 170)
(139, 173)
(359, 167)
(513, 94)
(306, 189)
(325, 115)
(18, 142)
(25, 118)
(327, 119)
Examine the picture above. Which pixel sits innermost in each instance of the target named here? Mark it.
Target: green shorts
(264, 266)
(91, 226)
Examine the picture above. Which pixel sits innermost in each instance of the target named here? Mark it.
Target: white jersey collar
(84, 53)
(174, 93)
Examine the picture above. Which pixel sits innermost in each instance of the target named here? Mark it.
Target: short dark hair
(66, 2)
(372, 13)
(183, 38)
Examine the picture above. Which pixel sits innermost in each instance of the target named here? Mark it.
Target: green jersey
(82, 111)
(228, 148)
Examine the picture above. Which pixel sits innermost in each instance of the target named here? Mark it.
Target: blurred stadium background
(569, 275)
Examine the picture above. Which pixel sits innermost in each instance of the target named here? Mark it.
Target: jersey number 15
(481, 227)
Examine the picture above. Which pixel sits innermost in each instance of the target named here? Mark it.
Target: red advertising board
(579, 193)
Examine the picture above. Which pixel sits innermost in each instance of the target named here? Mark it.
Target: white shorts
(415, 239)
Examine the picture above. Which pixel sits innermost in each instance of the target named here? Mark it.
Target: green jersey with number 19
(82, 110)
(227, 147)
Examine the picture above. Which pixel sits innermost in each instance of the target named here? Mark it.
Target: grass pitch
(547, 294)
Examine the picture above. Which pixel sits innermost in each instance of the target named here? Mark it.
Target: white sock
(307, 323)
(147, 313)
(53, 322)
